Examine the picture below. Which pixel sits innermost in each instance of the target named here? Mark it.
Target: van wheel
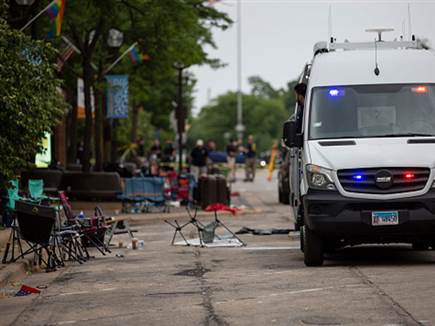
(313, 248)
(420, 246)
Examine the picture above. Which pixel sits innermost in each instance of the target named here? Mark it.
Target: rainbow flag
(137, 57)
(55, 13)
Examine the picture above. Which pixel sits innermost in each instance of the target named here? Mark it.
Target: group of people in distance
(199, 157)
(200, 163)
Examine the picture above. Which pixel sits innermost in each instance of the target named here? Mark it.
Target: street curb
(14, 272)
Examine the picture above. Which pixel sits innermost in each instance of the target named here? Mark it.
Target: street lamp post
(114, 40)
(240, 128)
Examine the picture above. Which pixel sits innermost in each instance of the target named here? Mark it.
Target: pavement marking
(74, 293)
(291, 293)
(86, 292)
(66, 322)
(272, 248)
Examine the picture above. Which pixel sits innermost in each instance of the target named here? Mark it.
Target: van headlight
(319, 177)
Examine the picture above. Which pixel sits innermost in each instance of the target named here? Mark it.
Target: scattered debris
(26, 290)
(217, 243)
(246, 230)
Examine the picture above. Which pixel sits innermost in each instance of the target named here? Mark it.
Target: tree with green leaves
(264, 111)
(30, 98)
(169, 31)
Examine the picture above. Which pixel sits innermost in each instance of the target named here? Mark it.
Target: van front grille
(383, 180)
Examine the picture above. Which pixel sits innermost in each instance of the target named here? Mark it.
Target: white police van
(364, 165)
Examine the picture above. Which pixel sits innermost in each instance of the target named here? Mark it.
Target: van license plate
(385, 218)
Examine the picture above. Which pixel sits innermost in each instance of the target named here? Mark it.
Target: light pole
(240, 128)
(114, 40)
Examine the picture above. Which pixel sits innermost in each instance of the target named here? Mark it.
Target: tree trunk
(134, 117)
(114, 144)
(72, 129)
(99, 119)
(87, 82)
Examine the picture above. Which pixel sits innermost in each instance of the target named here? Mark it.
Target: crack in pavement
(212, 318)
(404, 314)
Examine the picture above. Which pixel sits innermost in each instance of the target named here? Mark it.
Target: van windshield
(364, 111)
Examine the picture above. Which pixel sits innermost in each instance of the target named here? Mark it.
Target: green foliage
(264, 111)
(170, 31)
(30, 99)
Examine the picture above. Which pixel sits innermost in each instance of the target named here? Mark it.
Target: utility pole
(240, 128)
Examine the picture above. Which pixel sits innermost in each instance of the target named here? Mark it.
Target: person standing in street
(156, 150)
(231, 159)
(198, 160)
(250, 159)
(168, 155)
(300, 90)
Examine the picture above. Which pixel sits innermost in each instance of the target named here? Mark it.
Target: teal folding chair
(13, 195)
(14, 239)
(36, 191)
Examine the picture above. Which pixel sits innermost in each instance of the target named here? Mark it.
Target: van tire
(313, 248)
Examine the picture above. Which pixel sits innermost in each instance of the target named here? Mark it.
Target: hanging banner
(117, 96)
(81, 100)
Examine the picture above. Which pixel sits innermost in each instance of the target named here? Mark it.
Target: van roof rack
(370, 45)
(380, 43)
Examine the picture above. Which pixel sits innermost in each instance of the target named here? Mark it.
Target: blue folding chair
(154, 193)
(131, 195)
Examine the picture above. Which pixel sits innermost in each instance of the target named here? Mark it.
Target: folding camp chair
(153, 191)
(36, 191)
(131, 196)
(118, 225)
(36, 225)
(92, 229)
(206, 232)
(14, 237)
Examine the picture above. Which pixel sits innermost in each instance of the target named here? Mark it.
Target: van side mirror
(289, 136)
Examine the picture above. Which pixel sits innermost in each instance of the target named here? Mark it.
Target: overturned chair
(207, 236)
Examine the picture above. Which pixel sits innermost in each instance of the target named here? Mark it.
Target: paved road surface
(265, 283)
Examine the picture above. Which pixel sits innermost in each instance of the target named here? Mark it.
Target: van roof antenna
(376, 71)
(379, 31)
(409, 23)
(330, 23)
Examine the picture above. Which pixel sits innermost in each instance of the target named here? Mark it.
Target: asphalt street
(264, 283)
